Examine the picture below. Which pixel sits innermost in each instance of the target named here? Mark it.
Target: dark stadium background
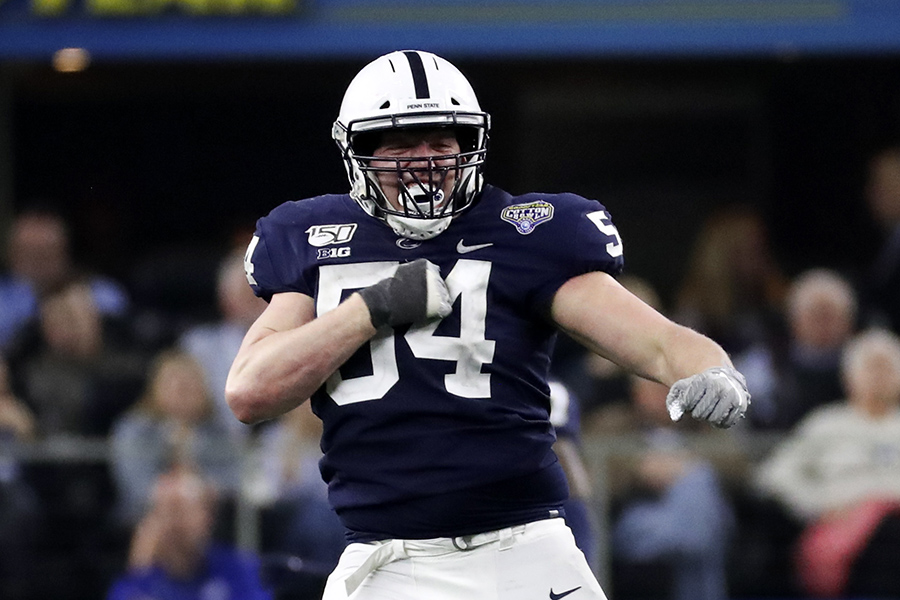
(162, 162)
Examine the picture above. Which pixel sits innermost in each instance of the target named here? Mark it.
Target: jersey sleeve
(598, 240)
(582, 239)
(274, 261)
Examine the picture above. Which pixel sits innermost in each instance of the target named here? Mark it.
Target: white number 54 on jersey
(467, 281)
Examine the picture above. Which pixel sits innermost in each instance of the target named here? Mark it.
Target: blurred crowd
(692, 515)
(84, 360)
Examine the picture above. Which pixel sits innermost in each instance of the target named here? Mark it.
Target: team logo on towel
(527, 216)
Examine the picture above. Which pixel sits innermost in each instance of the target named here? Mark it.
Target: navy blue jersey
(441, 428)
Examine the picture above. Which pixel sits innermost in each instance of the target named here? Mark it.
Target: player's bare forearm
(686, 352)
(288, 354)
(609, 320)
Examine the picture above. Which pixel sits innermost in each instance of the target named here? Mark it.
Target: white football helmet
(412, 89)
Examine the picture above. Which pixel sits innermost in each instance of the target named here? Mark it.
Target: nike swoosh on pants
(562, 594)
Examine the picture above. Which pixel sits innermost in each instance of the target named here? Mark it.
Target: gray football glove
(718, 395)
(414, 293)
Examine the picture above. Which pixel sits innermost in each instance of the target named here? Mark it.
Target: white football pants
(536, 561)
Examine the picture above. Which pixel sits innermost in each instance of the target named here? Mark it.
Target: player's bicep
(286, 311)
(608, 319)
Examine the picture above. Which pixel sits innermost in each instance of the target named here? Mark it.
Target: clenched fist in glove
(718, 395)
(414, 293)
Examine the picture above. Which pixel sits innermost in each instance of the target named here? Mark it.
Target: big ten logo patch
(342, 252)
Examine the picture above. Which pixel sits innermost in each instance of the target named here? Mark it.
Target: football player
(418, 313)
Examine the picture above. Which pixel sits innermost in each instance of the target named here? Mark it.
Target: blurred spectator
(40, 262)
(839, 473)
(20, 510)
(173, 553)
(881, 286)
(58, 510)
(672, 534)
(216, 344)
(789, 380)
(299, 521)
(172, 424)
(565, 415)
(75, 370)
(733, 287)
(16, 420)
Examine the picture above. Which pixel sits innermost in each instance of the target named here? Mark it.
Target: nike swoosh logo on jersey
(463, 249)
(563, 594)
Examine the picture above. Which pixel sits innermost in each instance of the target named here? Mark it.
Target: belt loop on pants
(384, 554)
(507, 537)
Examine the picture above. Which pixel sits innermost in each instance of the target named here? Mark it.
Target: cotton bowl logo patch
(527, 216)
(325, 235)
